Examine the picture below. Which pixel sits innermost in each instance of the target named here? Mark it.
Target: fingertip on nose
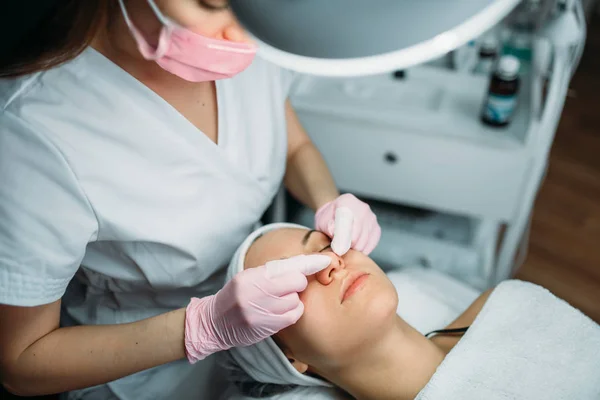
(340, 246)
(322, 259)
(315, 263)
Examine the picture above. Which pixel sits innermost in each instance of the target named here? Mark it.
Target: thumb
(305, 264)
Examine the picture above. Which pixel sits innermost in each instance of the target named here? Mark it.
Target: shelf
(429, 101)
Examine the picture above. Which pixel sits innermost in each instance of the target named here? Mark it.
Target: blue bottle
(502, 97)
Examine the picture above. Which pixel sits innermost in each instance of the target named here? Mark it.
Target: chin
(383, 305)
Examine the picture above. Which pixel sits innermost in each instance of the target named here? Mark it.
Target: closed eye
(325, 248)
(212, 5)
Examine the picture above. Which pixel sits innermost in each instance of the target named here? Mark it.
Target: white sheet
(524, 344)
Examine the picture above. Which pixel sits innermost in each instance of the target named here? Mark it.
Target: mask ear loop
(146, 50)
(161, 17)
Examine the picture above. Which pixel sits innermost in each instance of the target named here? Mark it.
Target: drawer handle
(390, 158)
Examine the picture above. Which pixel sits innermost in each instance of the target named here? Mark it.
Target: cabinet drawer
(423, 170)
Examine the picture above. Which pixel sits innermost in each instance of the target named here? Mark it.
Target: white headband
(264, 361)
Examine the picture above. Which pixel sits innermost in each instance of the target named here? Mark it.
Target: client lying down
(516, 341)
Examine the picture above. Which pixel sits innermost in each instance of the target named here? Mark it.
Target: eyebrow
(307, 236)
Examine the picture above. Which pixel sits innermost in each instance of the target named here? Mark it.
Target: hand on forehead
(284, 243)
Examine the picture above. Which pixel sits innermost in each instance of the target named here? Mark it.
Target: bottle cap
(508, 67)
(534, 5)
(489, 44)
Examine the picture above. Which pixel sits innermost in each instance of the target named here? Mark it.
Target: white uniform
(103, 180)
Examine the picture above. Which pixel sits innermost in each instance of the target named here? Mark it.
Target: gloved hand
(350, 223)
(254, 305)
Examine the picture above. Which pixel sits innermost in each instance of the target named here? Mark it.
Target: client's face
(346, 306)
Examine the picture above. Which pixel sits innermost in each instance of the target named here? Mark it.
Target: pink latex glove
(255, 304)
(350, 223)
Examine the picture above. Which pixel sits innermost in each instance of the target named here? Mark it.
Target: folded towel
(524, 344)
(264, 361)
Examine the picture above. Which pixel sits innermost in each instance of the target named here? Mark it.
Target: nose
(235, 33)
(335, 269)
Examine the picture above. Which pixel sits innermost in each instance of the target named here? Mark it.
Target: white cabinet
(419, 141)
(388, 163)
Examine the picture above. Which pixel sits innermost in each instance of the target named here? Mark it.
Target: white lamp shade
(364, 37)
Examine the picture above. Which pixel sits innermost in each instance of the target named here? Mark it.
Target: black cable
(447, 331)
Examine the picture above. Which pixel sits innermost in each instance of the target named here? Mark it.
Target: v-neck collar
(222, 141)
(221, 154)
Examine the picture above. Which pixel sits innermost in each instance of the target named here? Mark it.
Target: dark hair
(63, 32)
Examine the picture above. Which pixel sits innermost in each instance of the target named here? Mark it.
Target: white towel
(524, 344)
(264, 361)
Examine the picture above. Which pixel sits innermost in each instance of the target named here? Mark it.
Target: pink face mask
(191, 56)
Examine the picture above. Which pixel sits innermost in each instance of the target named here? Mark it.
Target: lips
(351, 284)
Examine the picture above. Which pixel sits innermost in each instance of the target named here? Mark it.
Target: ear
(299, 365)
